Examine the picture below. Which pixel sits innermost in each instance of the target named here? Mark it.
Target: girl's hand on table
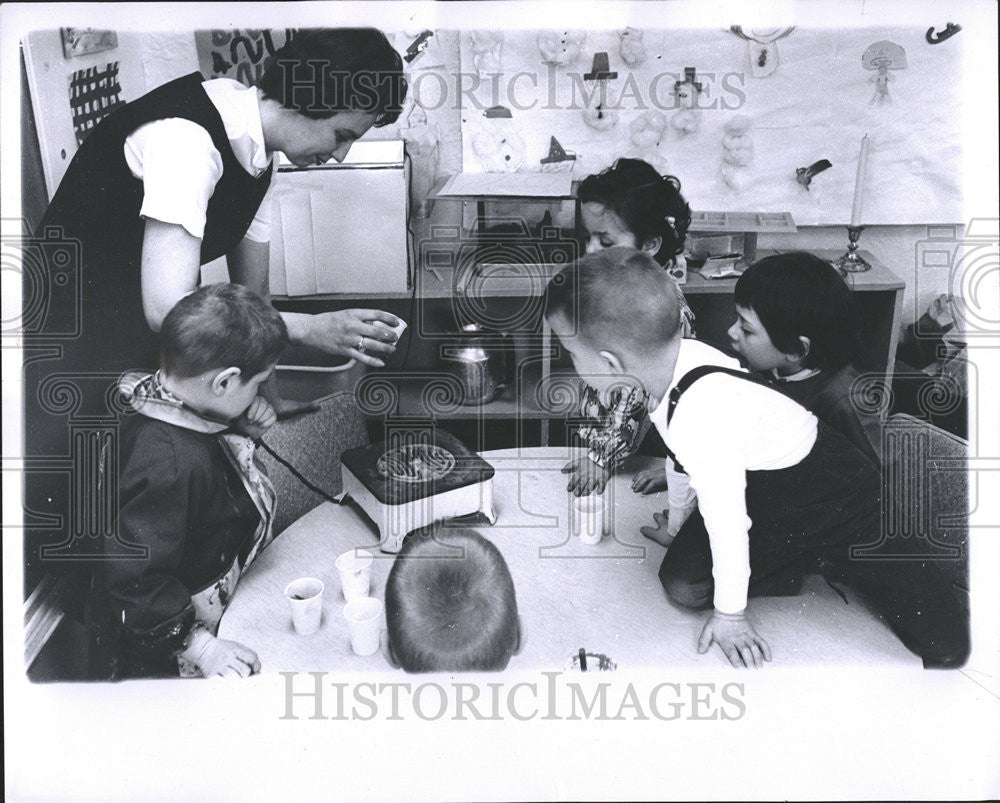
(650, 481)
(586, 477)
(737, 638)
(365, 335)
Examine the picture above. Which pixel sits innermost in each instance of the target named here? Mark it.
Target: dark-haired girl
(628, 204)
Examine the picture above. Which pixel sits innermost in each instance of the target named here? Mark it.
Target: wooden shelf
(431, 394)
(511, 280)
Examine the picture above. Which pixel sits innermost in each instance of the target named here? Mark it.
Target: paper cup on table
(355, 567)
(364, 620)
(588, 519)
(305, 598)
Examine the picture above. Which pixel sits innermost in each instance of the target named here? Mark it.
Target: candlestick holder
(851, 261)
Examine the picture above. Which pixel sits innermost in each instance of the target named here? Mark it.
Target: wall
(162, 56)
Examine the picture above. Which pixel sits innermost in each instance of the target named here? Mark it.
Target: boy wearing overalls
(778, 493)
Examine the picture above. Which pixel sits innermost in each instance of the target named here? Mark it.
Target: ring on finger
(361, 344)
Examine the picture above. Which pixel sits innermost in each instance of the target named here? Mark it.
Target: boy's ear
(612, 361)
(652, 245)
(387, 652)
(519, 642)
(222, 380)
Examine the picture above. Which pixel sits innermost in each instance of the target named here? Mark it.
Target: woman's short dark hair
(221, 326)
(800, 295)
(650, 205)
(322, 71)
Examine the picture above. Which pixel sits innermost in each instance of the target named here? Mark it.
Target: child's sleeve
(622, 427)
(709, 449)
(148, 599)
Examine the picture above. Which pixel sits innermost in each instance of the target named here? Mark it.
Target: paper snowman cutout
(631, 48)
(598, 115)
(737, 151)
(647, 133)
(688, 119)
(499, 144)
(560, 48)
(486, 47)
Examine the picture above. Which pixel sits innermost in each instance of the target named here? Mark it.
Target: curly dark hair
(649, 204)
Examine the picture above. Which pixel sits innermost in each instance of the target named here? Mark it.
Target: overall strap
(693, 376)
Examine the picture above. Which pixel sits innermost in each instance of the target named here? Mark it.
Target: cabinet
(458, 278)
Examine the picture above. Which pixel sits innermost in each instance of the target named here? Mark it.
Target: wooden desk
(606, 598)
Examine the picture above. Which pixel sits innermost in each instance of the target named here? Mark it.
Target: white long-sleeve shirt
(723, 427)
(179, 165)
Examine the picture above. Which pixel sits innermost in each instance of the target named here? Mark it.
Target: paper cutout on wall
(804, 175)
(93, 94)
(242, 54)
(486, 49)
(737, 151)
(688, 119)
(631, 48)
(883, 56)
(499, 144)
(560, 48)
(946, 33)
(598, 113)
(417, 46)
(762, 48)
(558, 160)
(817, 95)
(648, 132)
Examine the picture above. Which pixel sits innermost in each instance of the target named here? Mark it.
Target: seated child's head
(615, 311)
(218, 345)
(450, 604)
(794, 311)
(631, 204)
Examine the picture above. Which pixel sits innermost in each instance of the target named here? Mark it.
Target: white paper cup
(355, 567)
(305, 598)
(364, 620)
(588, 519)
(398, 329)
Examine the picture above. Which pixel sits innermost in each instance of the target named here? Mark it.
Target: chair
(312, 444)
(927, 482)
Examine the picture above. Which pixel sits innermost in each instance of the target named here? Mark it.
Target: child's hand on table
(650, 481)
(216, 656)
(737, 638)
(668, 524)
(258, 418)
(586, 477)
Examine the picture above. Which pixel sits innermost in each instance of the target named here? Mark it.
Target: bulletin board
(70, 91)
(817, 104)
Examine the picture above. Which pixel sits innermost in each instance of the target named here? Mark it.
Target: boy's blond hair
(617, 297)
(450, 604)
